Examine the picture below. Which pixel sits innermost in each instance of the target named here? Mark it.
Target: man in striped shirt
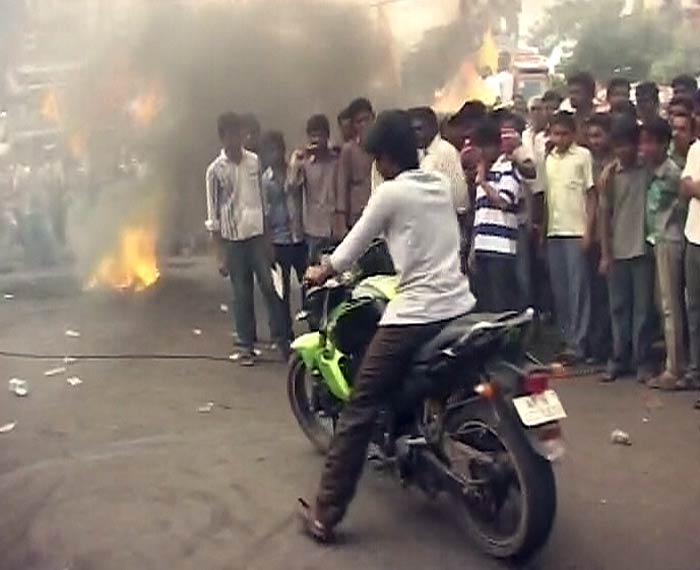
(498, 196)
(236, 220)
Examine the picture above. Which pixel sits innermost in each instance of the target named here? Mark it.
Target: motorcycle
(476, 418)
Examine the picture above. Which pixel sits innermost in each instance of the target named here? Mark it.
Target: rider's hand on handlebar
(318, 274)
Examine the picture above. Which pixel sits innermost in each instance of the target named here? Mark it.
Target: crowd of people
(585, 210)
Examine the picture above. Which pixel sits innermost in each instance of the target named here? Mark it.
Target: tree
(607, 40)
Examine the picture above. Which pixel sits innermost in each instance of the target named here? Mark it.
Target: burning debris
(132, 265)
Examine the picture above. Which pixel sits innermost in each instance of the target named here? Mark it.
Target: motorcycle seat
(456, 331)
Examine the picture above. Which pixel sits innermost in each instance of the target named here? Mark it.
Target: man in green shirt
(665, 219)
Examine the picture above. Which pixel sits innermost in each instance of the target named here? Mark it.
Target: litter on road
(69, 360)
(223, 307)
(19, 387)
(70, 333)
(197, 332)
(206, 408)
(8, 296)
(55, 371)
(74, 380)
(8, 427)
(620, 437)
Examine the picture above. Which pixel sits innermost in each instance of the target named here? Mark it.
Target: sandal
(312, 525)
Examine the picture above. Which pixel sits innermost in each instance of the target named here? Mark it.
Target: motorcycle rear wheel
(316, 425)
(531, 487)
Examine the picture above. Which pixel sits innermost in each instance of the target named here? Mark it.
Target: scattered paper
(223, 307)
(70, 333)
(74, 380)
(8, 427)
(620, 437)
(19, 387)
(69, 360)
(8, 296)
(206, 408)
(197, 332)
(603, 501)
(645, 420)
(55, 371)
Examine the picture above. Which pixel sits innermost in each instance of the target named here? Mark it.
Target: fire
(146, 106)
(133, 265)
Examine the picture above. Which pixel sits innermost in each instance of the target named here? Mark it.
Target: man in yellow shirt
(571, 205)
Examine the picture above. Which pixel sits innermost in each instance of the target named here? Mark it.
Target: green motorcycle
(476, 419)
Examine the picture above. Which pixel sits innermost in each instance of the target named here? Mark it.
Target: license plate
(539, 409)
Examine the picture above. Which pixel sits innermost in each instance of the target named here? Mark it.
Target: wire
(136, 356)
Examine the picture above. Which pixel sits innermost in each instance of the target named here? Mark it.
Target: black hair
(552, 96)
(625, 130)
(318, 123)
(616, 82)
(647, 90)
(585, 80)
(564, 119)
(344, 115)
(469, 113)
(600, 120)
(274, 139)
(503, 115)
(228, 122)
(658, 129)
(684, 80)
(392, 135)
(624, 108)
(487, 133)
(684, 101)
(425, 114)
(359, 105)
(249, 122)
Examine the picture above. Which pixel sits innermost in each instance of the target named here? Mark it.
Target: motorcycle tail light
(536, 383)
(486, 389)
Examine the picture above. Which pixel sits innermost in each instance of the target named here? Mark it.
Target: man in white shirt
(438, 155)
(236, 221)
(690, 187)
(414, 210)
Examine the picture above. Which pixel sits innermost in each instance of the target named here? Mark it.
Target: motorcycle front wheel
(308, 399)
(508, 501)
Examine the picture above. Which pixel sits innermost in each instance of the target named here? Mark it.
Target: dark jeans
(495, 283)
(292, 256)
(524, 267)
(316, 246)
(631, 286)
(247, 260)
(600, 335)
(380, 377)
(571, 285)
(692, 282)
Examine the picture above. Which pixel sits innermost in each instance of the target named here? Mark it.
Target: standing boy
(283, 215)
(236, 221)
(571, 205)
(665, 220)
(690, 187)
(498, 194)
(626, 255)
(600, 337)
(312, 175)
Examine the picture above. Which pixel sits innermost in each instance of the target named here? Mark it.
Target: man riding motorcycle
(413, 210)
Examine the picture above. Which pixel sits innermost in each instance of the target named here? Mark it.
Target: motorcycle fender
(308, 346)
(326, 360)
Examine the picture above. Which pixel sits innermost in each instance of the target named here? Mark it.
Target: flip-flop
(312, 526)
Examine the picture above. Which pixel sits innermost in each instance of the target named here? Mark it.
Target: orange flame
(50, 108)
(133, 265)
(145, 107)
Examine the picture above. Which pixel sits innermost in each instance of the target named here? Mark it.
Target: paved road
(122, 472)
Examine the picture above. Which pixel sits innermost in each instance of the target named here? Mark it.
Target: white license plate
(539, 409)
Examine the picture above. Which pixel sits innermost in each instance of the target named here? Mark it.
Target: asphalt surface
(123, 472)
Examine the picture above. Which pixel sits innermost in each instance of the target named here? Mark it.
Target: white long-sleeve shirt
(415, 214)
